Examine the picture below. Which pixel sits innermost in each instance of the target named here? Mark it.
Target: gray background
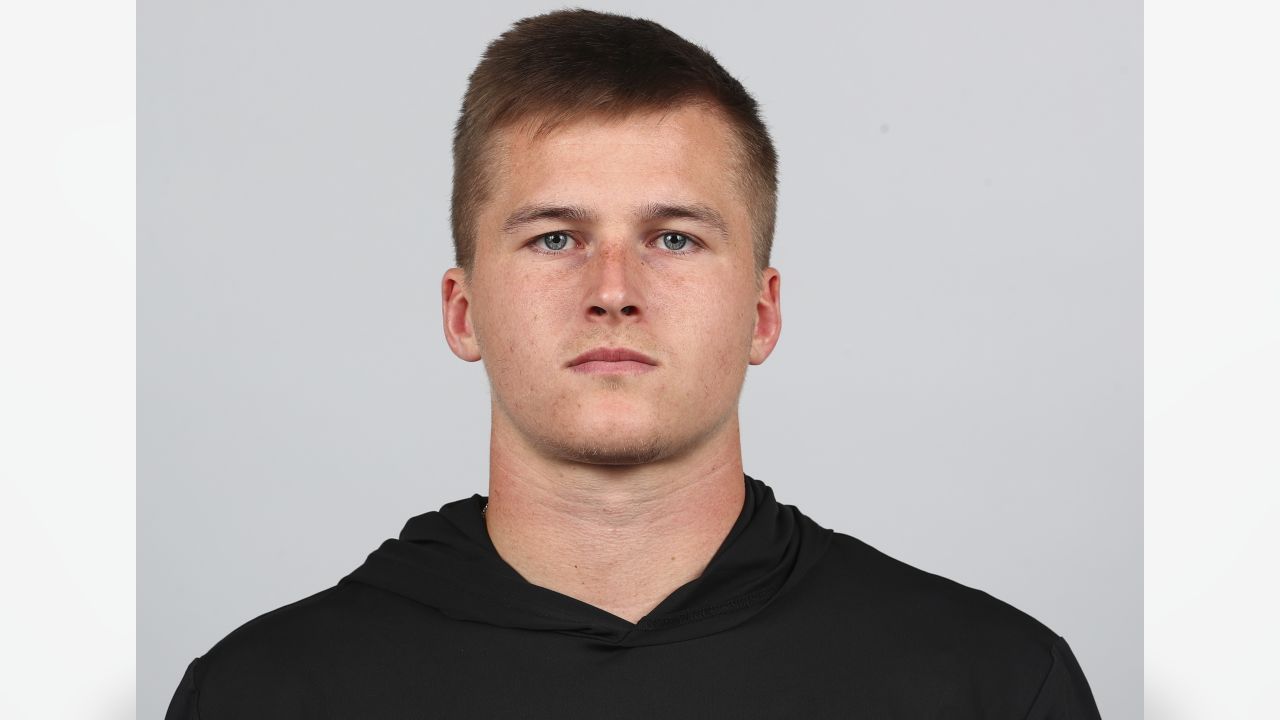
(959, 377)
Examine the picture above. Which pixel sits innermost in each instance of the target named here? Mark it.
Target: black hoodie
(789, 620)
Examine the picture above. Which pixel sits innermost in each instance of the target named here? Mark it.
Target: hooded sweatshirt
(788, 620)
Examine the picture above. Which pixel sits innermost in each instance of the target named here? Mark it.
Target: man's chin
(611, 439)
(610, 451)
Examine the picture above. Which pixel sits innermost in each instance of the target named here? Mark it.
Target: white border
(67, 362)
(67, 385)
(1212, 359)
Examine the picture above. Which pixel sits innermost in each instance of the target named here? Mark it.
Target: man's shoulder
(278, 656)
(915, 629)
(289, 630)
(875, 586)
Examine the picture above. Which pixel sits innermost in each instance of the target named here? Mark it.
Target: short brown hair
(564, 64)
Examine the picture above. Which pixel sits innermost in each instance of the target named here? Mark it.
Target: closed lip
(612, 355)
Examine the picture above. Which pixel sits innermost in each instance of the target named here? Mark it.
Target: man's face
(615, 234)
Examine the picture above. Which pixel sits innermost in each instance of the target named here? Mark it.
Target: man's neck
(621, 538)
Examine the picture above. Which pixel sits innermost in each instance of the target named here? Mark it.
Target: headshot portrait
(650, 360)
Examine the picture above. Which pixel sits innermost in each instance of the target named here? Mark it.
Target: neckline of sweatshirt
(444, 559)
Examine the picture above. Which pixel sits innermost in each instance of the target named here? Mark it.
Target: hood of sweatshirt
(444, 559)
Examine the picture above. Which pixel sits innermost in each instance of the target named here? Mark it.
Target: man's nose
(615, 293)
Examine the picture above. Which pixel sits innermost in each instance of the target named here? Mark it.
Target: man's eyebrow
(646, 213)
(533, 213)
(697, 212)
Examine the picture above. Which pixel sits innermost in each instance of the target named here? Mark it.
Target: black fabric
(788, 620)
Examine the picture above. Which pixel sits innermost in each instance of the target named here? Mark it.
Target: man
(613, 211)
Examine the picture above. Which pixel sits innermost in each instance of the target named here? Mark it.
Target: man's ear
(455, 305)
(768, 316)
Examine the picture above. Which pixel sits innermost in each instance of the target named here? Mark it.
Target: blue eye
(553, 240)
(675, 241)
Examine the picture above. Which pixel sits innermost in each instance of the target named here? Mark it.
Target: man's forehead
(675, 163)
(686, 128)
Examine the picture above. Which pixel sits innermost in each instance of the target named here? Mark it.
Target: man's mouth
(619, 360)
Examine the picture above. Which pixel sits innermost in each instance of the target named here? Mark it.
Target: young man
(613, 211)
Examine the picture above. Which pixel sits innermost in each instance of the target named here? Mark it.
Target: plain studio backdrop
(959, 378)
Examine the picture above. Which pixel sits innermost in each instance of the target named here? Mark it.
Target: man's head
(555, 68)
(614, 188)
